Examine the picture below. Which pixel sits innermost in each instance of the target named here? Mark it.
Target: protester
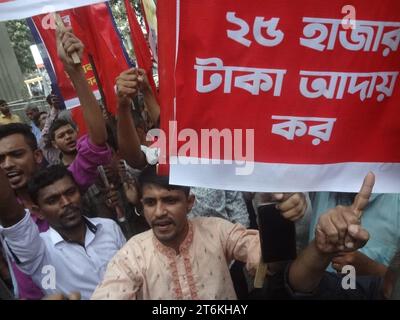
(32, 112)
(20, 156)
(6, 116)
(73, 253)
(119, 200)
(178, 258)
(339, 231)
(42, 120)
(380, 218)
(131, 148)
(91, 150)
(229, 205)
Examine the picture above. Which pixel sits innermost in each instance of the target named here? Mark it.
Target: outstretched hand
(129, 83)
(339, 229)
(291, 205)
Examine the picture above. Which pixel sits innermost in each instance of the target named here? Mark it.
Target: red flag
(166, 16)
(94, 26)
(142, 50)
(72, 102)
(102, 47)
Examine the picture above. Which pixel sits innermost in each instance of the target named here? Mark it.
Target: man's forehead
(64, 129)
(57, 187)
(153, 190)
(13, 142)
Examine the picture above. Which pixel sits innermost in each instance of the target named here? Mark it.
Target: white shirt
(58, 266)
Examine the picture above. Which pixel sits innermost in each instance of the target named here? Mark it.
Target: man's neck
(68, 158)
(176, 243)
(76, 234)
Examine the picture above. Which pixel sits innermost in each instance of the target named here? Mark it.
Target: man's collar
(56, 238)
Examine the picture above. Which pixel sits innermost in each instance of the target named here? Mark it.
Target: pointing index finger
(362, 198)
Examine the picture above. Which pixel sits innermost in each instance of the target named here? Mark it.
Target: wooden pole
(61, 26)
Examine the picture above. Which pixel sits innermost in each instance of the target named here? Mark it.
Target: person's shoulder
(209, 220)
(142, 238)
(210, 223)
(104, 222)
(385, 197)
(83, 139)
(139, 242)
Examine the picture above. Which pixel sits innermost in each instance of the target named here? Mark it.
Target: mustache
(162, 221)
(70, 209)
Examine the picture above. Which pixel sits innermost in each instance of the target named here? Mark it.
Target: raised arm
(338, 230)
(128, 139)
(11, 212)
(20, 232)
(67, 43)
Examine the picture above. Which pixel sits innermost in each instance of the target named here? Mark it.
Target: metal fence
(18, 107)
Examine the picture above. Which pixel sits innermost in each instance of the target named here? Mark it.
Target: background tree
(21, 39)
(121, 20)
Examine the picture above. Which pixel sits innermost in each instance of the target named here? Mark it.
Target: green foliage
(21, 39)
(121, 20)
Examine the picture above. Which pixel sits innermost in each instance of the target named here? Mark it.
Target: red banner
(142, 49)
(301, 95)
(94, 26)
(101, 44)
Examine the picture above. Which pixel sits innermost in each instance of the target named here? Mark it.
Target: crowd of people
(88, 216)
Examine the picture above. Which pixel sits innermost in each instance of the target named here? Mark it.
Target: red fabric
(142, 49)
(63, 82)
(166, 17)
(94, 26)
(102, 44)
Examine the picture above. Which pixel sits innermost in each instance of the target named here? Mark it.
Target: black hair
(19, 128)
(49, 97)
(149, 176)
(46, 177)
(2, 102)
(57, 124)
(32, 107)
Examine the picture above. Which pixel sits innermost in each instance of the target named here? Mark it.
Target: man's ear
(38, 156)
(191, 199)
(38, 212)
